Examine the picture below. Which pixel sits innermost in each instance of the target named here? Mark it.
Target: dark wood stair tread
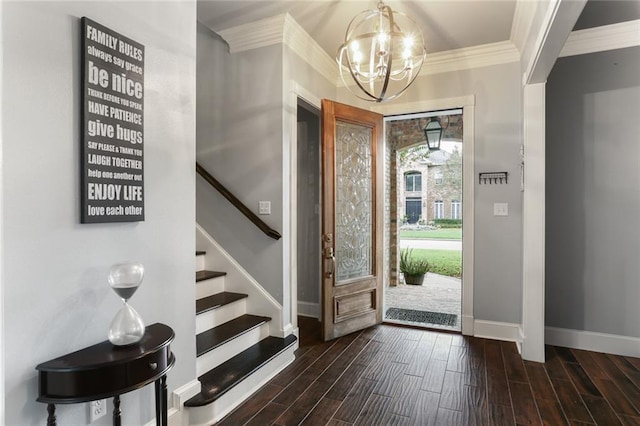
(212, 338)
(205, 275)
(200, 252)
(217, 300)
(224, 377)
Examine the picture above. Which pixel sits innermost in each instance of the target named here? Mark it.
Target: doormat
(421, 316)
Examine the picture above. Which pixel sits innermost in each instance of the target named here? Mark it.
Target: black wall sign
(113, 129)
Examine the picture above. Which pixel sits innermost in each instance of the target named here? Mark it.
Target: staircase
(236, 353)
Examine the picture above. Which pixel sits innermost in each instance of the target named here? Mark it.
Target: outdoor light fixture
(433, 133)
(383, 52)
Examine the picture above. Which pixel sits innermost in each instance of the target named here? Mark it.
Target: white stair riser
(209, 287)
(200, 262)
(230, 349)
(215, 317)
(208, 414)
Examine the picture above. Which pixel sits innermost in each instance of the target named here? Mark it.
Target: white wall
(56, 296)
(497, 275)
(593, 193)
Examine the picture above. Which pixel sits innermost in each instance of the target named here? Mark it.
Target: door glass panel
(354, 204)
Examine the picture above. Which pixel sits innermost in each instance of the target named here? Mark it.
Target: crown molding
(283, 29)
(309, 50)
(599, 39)
(521, 26)
(253, 35)
(483, 55)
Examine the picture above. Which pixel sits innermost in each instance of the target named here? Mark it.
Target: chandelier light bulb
(357, 57)
(382, 54)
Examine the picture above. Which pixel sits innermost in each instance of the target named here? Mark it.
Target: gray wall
(243, 123)
(54, 278)
(593, 193)
(497, 277)
(239, 141)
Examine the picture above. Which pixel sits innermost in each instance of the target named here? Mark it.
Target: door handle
(328, 255)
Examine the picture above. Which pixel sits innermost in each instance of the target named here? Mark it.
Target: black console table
(104, 371)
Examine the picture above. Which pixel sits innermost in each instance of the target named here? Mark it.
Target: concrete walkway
(438, 294)
(431, 244)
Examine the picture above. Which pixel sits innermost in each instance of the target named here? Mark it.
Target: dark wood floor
(388, 375)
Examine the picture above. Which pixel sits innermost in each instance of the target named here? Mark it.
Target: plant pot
(414, 279)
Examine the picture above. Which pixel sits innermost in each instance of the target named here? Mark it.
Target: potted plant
(414, 269)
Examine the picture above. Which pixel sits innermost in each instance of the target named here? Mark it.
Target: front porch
(438, 294)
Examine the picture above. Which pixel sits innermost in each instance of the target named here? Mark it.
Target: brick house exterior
(438, 194)
(400, 135)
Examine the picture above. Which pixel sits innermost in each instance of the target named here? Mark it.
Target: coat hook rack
(493, 177)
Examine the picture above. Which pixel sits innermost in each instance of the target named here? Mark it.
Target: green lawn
(443, 233)
(443, 262)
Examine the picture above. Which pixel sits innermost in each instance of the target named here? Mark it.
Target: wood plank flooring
(389, 375)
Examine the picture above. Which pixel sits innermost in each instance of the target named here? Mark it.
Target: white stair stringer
(215, 317)
(238, 280)
(210, 287)
(228, 350)
(200, 261)
(208, 414)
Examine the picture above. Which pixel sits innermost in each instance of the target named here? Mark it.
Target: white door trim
(467, 103)
(533, 219)
(290, 198)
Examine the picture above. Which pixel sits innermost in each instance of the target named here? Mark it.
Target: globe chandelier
(382, 53)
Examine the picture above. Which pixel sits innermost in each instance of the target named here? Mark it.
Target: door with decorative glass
(352, 150)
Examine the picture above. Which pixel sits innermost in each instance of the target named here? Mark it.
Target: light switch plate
(501, 209)
(264, 207)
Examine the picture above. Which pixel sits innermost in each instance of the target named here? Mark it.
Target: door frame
(290, 203)
(467, 103)
(290, 206)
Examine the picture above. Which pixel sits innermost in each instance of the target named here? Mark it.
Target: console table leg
(51, 419)
(165, 421)
(158, 403)
(116, 411)
(161, 401)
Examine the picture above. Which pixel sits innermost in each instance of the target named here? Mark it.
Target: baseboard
(309, 309)
(467, 325)
(593, 341)
(174, 418)
(520, 338)
(497, 331)
(178, 397)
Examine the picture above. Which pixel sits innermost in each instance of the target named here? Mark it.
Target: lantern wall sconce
(433, 134)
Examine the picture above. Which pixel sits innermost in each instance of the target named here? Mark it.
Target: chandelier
(383, 52)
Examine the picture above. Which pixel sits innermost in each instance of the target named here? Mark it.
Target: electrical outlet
(97, 409)
(501, 209)
(264, 207)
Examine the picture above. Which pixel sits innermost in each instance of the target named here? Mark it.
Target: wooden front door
(352, 221)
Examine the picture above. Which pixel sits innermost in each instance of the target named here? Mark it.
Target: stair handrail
(270, 232)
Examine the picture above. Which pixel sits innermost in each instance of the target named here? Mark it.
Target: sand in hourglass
(125, 292)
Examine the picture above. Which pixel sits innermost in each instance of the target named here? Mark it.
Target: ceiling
(446, 24)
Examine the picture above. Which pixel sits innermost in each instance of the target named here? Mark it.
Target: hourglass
(127, 326)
